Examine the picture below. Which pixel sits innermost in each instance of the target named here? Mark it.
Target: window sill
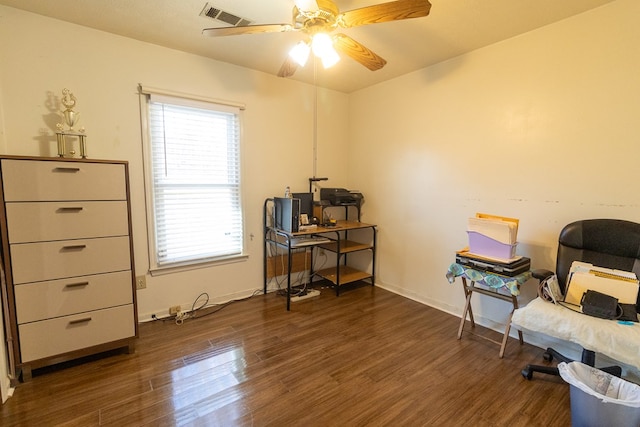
(195, 265)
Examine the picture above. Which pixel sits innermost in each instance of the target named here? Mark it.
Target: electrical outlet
(141, 282)
(175, 309)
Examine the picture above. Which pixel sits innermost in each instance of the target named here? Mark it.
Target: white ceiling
(453, 27)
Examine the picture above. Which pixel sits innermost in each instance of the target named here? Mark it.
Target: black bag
(629, 312)
(600, 305)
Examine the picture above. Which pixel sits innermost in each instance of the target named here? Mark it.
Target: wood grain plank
(367, 357)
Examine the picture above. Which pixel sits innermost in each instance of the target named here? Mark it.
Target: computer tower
(287, 213)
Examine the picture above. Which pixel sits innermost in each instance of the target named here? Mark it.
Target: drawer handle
(66, 169)
(77, 321)
(76, 285)
(70, 209)
(74, 247)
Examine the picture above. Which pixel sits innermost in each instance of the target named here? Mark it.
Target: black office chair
(610, 243)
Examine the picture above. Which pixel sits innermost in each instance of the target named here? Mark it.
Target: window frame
(156, 268)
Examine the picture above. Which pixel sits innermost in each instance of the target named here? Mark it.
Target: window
(193, 174)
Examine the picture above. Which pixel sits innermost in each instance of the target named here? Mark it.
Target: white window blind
(195, 162)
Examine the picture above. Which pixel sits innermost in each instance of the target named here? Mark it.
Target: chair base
(588, 358)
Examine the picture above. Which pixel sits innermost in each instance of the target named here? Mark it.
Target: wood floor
(366, 358)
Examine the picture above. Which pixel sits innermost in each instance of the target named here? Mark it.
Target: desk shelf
(346, 246)
(344, 273)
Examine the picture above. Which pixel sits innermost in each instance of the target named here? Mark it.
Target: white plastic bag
(602, 385)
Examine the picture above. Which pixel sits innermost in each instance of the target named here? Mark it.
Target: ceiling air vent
(223, 16)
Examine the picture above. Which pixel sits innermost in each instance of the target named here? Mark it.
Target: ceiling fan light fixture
(322, 47)
(321, 43)
(330, 58)
(300, 53)
(309, 5)
(316, 19)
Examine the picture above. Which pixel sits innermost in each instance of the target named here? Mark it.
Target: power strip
(310, 294)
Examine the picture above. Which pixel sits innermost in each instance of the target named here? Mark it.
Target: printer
(340, 197)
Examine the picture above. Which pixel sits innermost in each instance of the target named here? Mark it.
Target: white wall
(544, 127)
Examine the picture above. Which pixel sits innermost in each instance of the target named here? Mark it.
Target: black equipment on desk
(341, 197)
(306, 206)
(510, 269)
(287, 213)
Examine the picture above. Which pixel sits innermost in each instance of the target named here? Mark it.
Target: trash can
(599, 398)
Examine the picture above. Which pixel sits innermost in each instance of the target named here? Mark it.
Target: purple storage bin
(480, 244)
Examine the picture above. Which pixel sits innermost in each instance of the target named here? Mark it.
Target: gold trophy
(70, 118)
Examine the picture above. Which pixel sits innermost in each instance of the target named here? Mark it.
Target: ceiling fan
(317, 19)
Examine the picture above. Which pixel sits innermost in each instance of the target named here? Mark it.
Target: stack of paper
(622, 285)
(493, 236)
(497, 229)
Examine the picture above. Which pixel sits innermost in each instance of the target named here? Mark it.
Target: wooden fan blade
(288, 68)
(328, 6)
(247, 29)
(358, 52)
(385, 12)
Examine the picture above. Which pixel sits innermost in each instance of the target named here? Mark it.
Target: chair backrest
(610, 243)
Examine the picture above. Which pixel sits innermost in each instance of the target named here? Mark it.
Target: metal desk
(339, 244)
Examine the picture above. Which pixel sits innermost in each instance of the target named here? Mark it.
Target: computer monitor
(306, 204)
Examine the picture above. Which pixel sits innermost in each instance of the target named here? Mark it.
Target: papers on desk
(298, 242)
(622, 285)
(307, 227)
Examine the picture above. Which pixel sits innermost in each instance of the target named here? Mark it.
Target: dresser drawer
(55, 298)
(34, 262)
(63, 334)
(39, 221)
(34, 180)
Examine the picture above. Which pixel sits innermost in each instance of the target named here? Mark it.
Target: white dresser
(69, 285)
